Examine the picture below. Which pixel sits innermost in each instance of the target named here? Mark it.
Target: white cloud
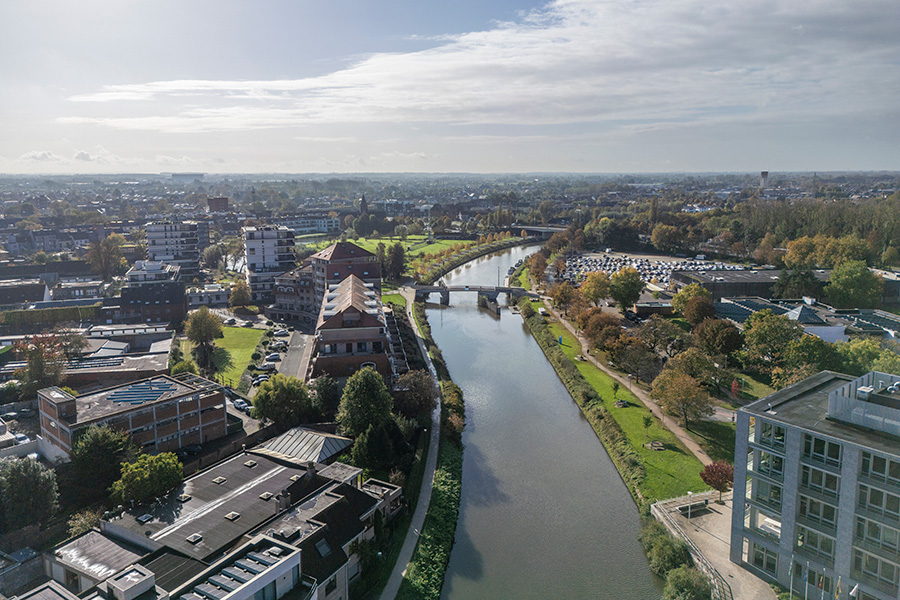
(162, 159)
(41, 156)
(82, 155)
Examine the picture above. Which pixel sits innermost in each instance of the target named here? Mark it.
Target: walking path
(668, 421)
(418, 518)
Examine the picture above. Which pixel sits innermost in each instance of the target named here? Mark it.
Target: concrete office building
(269, 252)
(176, 243)
(817, 486)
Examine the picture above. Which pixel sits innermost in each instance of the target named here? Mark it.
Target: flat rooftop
(97, 555)
(804, 405)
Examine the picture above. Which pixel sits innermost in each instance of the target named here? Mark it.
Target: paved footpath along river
(544, 513)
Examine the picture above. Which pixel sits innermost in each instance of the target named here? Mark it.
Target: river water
(544, 513)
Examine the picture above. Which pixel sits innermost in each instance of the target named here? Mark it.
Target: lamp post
(690, 501)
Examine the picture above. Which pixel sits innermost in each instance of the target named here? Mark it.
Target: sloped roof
(341, 251)
(804, 315)
(307, 445)
(350, 296)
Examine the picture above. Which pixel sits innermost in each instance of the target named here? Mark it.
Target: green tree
(283, 400)
(680, 300)
(661, 335)
(214, 255)
(365, 401)
(698, 309)
(681, 396)
(685, 583)
(625, 287)
(202, 327)
(84, 521)
(396, 261)
(28, 493)
(183, 366)
(563, 295)
(98, 453)
(666, 238)
(105, 257)
(695, 363)
(718, 337)
(766, 338)
(595, 287)
(415, 395)
(663, 551)
(853, 285)
(149, 476)
(811, 350)
(858, 356)
(797, 284)
(372, 448)
(327, 397)
(241, 294)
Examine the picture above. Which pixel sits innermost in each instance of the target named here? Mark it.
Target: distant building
(217, 205)
(160, 302)
(152, 271)
(16, 293)
(269, 252)
(213, 295)
(75, 289)
(351, 332)
(817, 486)
(176, 243)
(161, 413)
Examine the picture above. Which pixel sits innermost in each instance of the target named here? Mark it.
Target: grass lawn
(716, 438)
(239, 342)
(669, 473)
(523, 279)
(397, 299)
(753, 388)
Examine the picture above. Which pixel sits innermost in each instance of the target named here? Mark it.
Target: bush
(270, 333)
(685, 583)
(256, 356)
(269, 323)
(664, 552)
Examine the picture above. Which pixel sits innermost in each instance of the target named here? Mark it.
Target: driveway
(293, 363)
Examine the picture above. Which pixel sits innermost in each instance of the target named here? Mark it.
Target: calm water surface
(544, 513)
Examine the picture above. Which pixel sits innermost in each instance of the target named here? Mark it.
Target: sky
(503, 86)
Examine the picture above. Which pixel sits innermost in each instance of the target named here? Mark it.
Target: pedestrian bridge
(488, 291)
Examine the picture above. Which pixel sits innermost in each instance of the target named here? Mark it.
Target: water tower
(763, 179)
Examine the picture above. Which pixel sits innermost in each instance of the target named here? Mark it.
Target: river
(544, 513)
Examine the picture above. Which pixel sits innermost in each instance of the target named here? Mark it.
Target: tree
(719, 476)
(326, 397)
(681, 396)
(695, 363)
(98, 453)
(283, 400)
(365, 401)
(797, 284)
(811, 350)
(44, 364)
(666, 237)
(718, 337)
(183, 366)
(663, 551)
(853, 285)
(396, 261)
(625, 287)
(698, 309)
(563, 295)
(766, 337)
(595, 287)
(416, 395)
(149, 476)
(28, 493)
(685, 583)
(680, 300)
(537, 264)
(241, 294)
(84, 521)
(105, 257)
(858, 355)
(661, 334)
(202, 327)
(372, 448)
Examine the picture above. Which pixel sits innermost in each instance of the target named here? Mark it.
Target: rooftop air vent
(266, 495)
(219, 480)
(144, 519)
(184, 497)
(295, 477)
(250, 463)
(193, 538)
(233, 516)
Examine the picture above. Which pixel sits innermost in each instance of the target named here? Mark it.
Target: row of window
(815, 542)
(879, 501)
(877, 534)
(875, 566)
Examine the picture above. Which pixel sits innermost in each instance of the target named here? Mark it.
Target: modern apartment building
(152, 271)
(176, 243)
(269, 252)
(161, 413)
(817, 486)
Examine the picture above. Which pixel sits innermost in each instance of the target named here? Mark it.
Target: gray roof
(805, 315)
(307, 445)
(96, 555)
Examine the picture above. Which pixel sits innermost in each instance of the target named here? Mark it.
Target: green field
(669, 473)
(239, 343)
(394, 299)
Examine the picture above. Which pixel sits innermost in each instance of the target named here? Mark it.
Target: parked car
(267, 366)
(259, 379)
(9, 416)
(279, 346)
(240, 404)
(282, 333)
(248, 408)
(21, 438)
(230, 321)
(273, 357)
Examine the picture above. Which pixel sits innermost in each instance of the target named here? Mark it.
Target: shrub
(269, 323)
(270, 333)
(256, 356)
(685, 583)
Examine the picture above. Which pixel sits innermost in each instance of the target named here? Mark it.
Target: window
(360, 346)
(819, 512)
(331, 585)
(875, 567)
(815, 542)
(771, 465)
(827, 484)
(879, 501)
(822, 450)
(765, 559)
(771, 434)
(880, 468)
(878, 534)
(768, 494)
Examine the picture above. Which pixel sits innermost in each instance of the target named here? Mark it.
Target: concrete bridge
(544, 231)
(490, 292)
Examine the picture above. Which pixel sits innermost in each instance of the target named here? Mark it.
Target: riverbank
(477, 252)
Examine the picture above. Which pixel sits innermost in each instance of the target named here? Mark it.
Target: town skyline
(514, 86)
